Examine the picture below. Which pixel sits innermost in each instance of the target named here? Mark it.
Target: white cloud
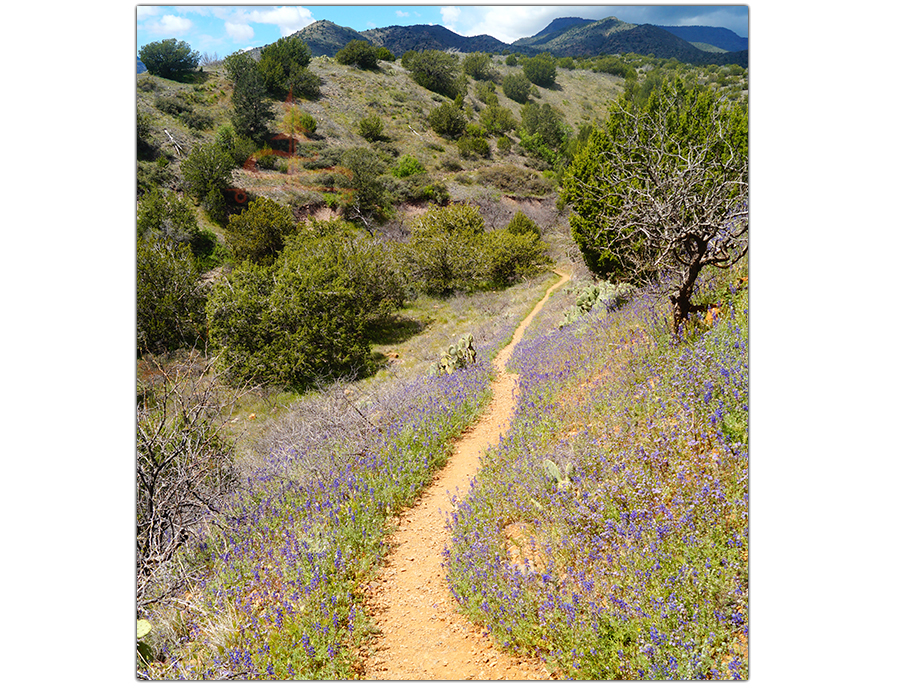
(170, 26)
(239, 32)
(449, 17)
(287, 19)
(144, 11)
(401, 13)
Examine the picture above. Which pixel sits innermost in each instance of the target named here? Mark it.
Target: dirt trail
(423, 636)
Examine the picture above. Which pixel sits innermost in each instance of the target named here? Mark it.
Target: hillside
(723, 39)
(520, 474)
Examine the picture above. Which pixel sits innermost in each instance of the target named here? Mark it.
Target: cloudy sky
(224, 29)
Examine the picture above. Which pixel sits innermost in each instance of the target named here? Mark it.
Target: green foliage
(360, 53)
(304, 318)
(240, 148)
(207, 174)
(163, 214)
(478, 66)
(523, 225)
(434, 70)
(406, 166)
(503, 145)
(368, 192)
(258, 233)
(486, 92)
(371, 128)
(296, 121)
(303, 83)
(511, 256)
(448, 120)
(442, 257)
(170, 298)
(567, 63)
(280, 62)
(473, 146)
(545, 121)
(512, 60)
(540, 70)
(251, 108)
(237, 65)
(497, 120)
(169, 59)
(517, 87)
(151, 174)
(449, 251)
(385, 54)
(455, 357)
(615, 65)
(697, 170)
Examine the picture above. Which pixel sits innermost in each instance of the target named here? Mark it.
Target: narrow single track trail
(423, 636)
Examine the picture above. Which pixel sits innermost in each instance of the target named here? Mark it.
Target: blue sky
(223, 29)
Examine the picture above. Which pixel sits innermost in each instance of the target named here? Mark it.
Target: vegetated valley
(318, 237)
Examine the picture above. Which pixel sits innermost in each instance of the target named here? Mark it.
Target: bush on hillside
(371, 128)
(281, 62)
(540, 70)
(258, 233)
(448, 120)
(360, 53)
(516, 87)
(303, 319)
(170, 59)
(478, 66)
(170, 298)
(435, 70)
(207, 175)
(515, 180)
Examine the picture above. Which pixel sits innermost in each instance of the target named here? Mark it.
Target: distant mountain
(716, 36)
(141, 67)
(327, 38)
(563, 37)
(611, 36)
(399, 39)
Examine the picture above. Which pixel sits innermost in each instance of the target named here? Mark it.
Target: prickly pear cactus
(455, 357)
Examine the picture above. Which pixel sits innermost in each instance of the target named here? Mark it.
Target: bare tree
(663, 191)
(183, 466)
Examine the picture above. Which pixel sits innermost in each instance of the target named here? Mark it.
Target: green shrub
(281, 62)
(258, 233)
(170, 297)
(442, 255)
(497, 120)
(512, 60)
(406, 166)
(540, 70)
(448, 120)
(478, 66)
(472, 147)
(198, 121)
(360, 53)
(169, 59)
(523, 225)
(385, 54)
(371, 128)
(303, 83)
(304, 318)
(207, 174)
(516, 87)
(511, 256)
(486, 92)
(434, 70)
(173, 105)
(503, 145)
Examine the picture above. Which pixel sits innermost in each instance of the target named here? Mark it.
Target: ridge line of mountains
(563, 37)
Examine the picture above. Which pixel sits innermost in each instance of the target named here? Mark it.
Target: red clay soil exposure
(423, 637)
